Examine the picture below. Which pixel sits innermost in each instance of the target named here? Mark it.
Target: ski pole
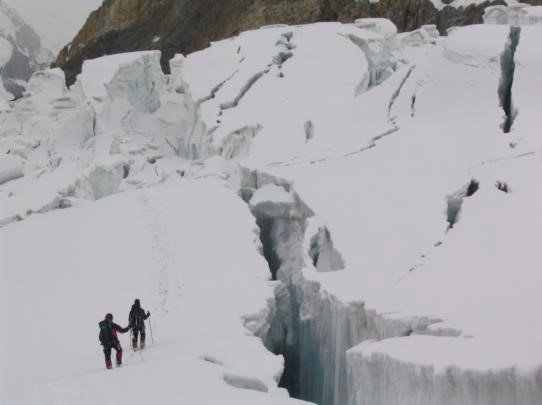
(150, 327)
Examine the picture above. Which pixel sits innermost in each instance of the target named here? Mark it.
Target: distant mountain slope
(55, 21)
(184, 26)
(21, 52)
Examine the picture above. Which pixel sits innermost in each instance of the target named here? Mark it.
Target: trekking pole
(132, 340)
(150, 327)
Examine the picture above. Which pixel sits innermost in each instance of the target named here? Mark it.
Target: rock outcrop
(184, 26)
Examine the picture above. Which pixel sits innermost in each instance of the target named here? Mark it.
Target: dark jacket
(108, 332)
(137, 317)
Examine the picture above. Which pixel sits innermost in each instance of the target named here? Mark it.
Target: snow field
(153, 244)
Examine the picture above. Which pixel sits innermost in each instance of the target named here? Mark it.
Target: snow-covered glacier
(341, 211)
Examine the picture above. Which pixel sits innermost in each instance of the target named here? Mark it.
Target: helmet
(136, 302)
(109, 317)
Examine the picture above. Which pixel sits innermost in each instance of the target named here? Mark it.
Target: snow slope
(74, 149)
(395, 182)
(153, 244)
(55, 21)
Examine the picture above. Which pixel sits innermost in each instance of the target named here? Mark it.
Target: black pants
(107, 352)
(137, 331)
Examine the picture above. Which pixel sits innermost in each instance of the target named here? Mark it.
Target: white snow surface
(56, 21)
(272, 193)
(383, 153)
(10, 168)
(152, 244)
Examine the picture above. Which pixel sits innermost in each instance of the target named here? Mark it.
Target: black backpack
(105, 335)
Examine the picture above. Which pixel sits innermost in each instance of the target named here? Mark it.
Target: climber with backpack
(109, 340)
(136, 319)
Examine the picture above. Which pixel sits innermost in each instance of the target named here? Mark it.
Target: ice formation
(396, 213)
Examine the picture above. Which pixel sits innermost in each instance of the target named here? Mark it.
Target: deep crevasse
(311, 328)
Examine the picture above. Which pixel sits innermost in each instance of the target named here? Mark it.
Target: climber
(136, 319)
(109, 340)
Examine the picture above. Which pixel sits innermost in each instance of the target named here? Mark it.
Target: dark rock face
(175, 26)
(184, 26)
(454, 17)
(408, 15)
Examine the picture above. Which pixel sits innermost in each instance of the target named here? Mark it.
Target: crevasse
(311, 328)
